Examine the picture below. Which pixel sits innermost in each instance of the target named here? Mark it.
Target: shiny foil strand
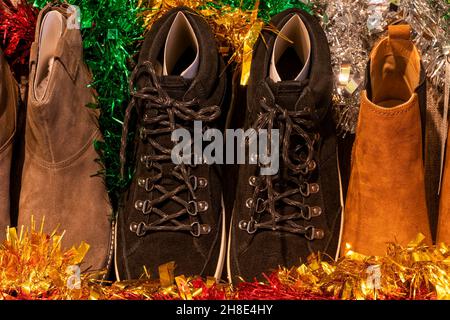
(34, 265)
(353, 27)
(17, 24)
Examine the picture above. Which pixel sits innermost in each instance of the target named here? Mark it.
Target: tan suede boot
(443, 232)
(59, 180)
(386, 196)
(8, 115)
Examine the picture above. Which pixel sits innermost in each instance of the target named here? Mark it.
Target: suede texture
(193, 255)
(60, 180)
(386, 196)
(253, 254)
(443, 232)
(8, 118)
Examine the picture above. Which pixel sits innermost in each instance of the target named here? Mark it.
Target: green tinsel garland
(111, 30)
(269, 8)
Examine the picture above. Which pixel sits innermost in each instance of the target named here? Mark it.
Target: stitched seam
(8, 142)
(65, 163)
(111, 248)
(387, 113)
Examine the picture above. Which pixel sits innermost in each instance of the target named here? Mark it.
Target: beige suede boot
(60, 180)
(386, 196)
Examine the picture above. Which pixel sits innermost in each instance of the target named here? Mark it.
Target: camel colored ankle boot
(59, 180)
(386, 196)
(8, 114)
(443, 232)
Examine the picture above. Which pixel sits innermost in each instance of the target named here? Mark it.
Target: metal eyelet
(306, 214)
(146, 184)
(252, 181)
(310, 167)
(314, 187)
(143, 206)
(138, 228)
(202, 183)
(249, 203)
(312, 233)
(260, 205)
(315, 211)
(194, 182)
(202, 206)
(249, 226)
(198, 229)
(304, 189)
(192, 208)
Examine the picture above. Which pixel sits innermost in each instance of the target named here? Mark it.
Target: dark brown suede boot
(386, 196)
(59, 180)
(8, 115)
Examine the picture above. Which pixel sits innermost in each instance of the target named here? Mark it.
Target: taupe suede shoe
(59, 180)
(8, 115)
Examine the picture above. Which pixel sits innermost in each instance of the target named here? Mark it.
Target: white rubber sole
(116, 269)
(222, 253)
(341, 196)
(223, 245)
(229, 276)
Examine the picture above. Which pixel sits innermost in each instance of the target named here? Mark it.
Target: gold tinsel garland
(33, 265)
(236, 30)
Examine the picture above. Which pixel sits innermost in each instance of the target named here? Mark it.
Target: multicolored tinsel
(34, 266)
(17, 24)
(111, 32)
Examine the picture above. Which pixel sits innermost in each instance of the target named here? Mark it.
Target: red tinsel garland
(17, 27)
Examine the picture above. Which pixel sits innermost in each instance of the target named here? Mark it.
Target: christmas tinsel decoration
(267, 9)
(17, 24)
(111, 30)
(33, 265)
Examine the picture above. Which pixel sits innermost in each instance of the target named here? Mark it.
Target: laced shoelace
(163, 114)
(298, 164)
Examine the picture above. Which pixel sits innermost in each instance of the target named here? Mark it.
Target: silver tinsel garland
(353, 26)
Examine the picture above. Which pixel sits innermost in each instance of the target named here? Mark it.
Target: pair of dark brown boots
(59, 180)
(386, 196)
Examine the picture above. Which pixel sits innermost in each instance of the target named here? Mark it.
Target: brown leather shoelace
(297, 166)
(162, 115)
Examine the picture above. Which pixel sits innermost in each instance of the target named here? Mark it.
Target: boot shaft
(386, 195)
(59, 123)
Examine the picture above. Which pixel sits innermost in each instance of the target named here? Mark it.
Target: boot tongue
(175, 86)
(287, 94)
